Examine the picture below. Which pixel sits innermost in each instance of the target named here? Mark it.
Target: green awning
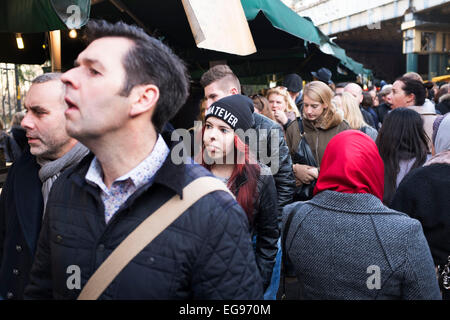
(283, 18)
(33, 16)
(333, 49)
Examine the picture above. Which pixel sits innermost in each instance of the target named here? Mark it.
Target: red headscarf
(351, 164)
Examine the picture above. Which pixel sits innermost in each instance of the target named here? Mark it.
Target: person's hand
(281, 117)
(304, 174)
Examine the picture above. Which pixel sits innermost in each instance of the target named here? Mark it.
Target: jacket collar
(168, 175)
(358, 203)
(330, 118)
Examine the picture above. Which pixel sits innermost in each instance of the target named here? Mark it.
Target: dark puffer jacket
(205, 254)
(284, 176)
(266, 223)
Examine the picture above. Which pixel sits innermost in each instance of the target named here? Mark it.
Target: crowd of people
(342, 193)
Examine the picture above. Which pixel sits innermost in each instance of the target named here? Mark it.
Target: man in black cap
(294, 84)
(324, 75)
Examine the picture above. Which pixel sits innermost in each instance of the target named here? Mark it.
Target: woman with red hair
(228, 158)
(345, 243)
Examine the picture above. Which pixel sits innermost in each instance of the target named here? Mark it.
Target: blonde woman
(321, 122)
(282, 105)
(354, 117)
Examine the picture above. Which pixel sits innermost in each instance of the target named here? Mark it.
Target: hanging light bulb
(19, 41)
(73, 33)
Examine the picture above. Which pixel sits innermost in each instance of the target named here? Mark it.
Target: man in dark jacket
(30, 179)
(219, 82)
(126, 85)
(384, 96)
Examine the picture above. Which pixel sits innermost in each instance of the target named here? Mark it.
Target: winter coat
(369, 116)
(382, 111)
(21, 206)
(320, 132)
(205, 254)
(371, 132)
(424, 195)
(345, 244)
(340, 243)
(284, 176)
(266, 222)
(317, 134)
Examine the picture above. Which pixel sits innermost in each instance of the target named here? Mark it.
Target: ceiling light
(19, 40)
(73, 33)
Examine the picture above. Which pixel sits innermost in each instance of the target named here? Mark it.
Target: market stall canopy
(285, 42)
(283, 18)
(329, 47)
(32, 18)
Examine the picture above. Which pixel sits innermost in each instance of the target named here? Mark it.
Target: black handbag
(304, 156)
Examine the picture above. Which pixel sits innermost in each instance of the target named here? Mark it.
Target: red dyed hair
(246, 194)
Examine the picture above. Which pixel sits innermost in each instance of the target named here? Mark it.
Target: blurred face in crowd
(277, 102)
(399, 97)
(339, 91)
(387, 98)
(44, 120)
(355, 90)
(312, 109)
(375, 100)
(217, 90)
(218, 138)
(93, 90)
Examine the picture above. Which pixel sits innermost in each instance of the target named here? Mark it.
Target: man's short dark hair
(220, 72)
(149, 61)
(413, 86)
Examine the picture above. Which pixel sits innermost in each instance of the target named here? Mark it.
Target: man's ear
(234, 91)
(411, 98)
(143, 99)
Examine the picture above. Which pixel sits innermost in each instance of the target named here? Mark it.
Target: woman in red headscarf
(344, 243)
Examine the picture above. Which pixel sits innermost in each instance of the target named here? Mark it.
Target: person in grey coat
(345, 244)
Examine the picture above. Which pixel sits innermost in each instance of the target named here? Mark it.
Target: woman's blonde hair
(320, 92)
(291, 106)
(352, 113)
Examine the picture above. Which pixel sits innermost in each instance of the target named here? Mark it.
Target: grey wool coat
(351, 246)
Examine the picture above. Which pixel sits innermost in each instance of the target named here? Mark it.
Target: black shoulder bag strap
(300, 126)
